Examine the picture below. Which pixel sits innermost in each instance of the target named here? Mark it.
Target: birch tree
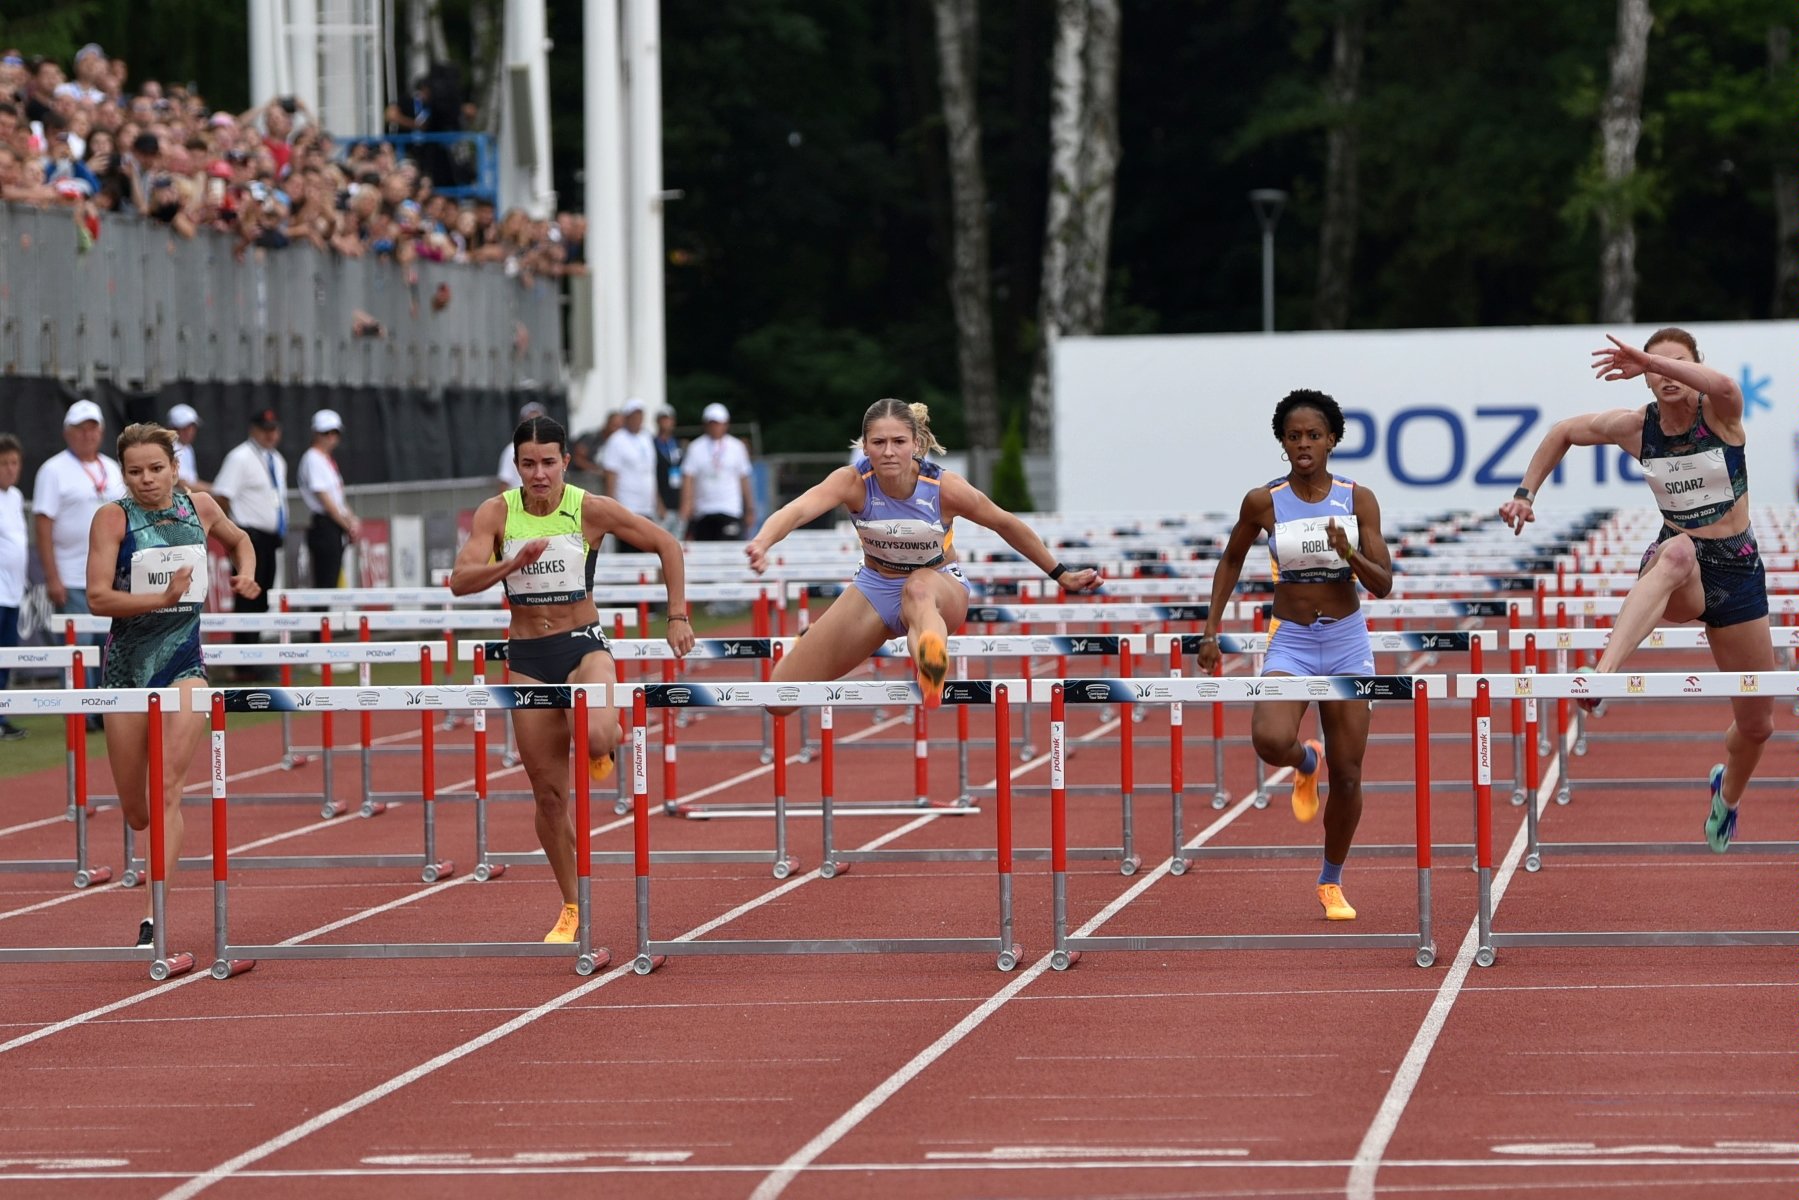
(1620, 127)
(1083, 168)
(958, 49)
(1337, 233)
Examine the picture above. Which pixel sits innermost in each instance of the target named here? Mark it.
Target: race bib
(559, 576)
(1303, 546)
(153, 567)
(1691, 481)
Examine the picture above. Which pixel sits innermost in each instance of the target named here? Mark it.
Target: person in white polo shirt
(718, 501)
(628, 460)
(185, 421)
(13, 550)
(322, 488)
(70, 488)
(253, 481)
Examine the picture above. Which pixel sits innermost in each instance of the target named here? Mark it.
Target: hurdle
(78, 703)
(1175, 691)
(1480, 688)
(231, 959)
(636, 699)
(79, 810)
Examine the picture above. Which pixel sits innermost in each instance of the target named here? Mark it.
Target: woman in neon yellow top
(539, 539)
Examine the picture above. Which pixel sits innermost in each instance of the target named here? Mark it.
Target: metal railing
(145, 306)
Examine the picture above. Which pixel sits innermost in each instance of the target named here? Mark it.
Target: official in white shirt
(718, 501)
(629, 462)
(69, 489)
(322, 488)
(13, 547)
(253, 481)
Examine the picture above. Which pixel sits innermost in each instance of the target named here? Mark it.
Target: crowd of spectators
(99, 142)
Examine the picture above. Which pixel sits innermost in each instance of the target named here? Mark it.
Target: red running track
(1660, 1072)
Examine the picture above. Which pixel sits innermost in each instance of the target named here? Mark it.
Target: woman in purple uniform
(1324, 537)
(904, 510)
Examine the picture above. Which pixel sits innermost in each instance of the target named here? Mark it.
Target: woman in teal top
(538, 540)
(146, 569)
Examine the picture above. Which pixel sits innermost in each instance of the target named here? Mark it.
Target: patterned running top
(154, 649)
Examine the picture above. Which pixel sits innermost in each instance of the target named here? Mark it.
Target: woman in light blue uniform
(1705, 564)
(1324, 537)
(904, 509)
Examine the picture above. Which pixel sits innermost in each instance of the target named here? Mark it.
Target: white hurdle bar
(1177, 691)
(79, 808)
(230, 959)
(152, 702)
(651, 953)
(1480, 689)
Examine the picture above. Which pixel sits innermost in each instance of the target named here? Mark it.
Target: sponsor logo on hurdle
(1655, 639)
(305, 700)
(1749, 683)
(989, 645)
(424, 698)
(1634, 685)
(1318, 687)
(836, 693)
(678, 695)
(258, 701)
(1041, 646)
(368, 699)
(480, 698)
(99, 702)
(1563, 641)
(1097, 690)
(787, 695)
(1365, 687)
(1254, 688)
(1208, 689)
(1702, 637)
(729, 695)
(899, 692)
(1691, 685)
(1577, 686)
(1521, 687)
(742, 649)
(44, 702)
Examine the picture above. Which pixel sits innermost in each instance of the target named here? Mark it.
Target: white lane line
(30, 825)
(199, 1183)
(92, 1014)
(777, 1180)
(1367, 1163)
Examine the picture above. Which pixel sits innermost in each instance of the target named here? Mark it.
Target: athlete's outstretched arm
(842, 486)
(475, 569)
(962, 499)
(1621, 427)
(1620, 361)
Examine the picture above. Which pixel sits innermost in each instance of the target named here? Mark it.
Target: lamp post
(1268, 203)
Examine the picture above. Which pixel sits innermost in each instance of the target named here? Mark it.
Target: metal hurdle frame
(1214, 690)
(636, 700)
(233, 959)
(80, 702)
(72, 660)
(491, 864)
(1480, 688)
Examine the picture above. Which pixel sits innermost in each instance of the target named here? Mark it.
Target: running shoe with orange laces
(566, 925)
(600, 769)
(1336, 908)
(1305, 785)
(933, 665)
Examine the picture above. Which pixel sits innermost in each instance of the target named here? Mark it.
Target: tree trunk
(1337, 235)
(1083, 165)
(1620, 125)
(1786, 184)
(958, 48)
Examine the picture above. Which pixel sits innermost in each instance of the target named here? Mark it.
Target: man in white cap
(508, 472)
(718, 502)
(70, 488)
(186, 424)
(628, 461)
(322, 488)
(253, 482)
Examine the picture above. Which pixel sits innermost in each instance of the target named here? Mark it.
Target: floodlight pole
(1268, 203)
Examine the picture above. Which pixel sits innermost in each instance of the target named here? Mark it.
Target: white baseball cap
(183, 415)
(83, 411)
(716, 412)
(633, 405)
(326, 420)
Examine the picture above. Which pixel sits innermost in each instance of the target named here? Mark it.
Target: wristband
(680, 617)
(1350, 557)
(1060, 570)
(1523, 493)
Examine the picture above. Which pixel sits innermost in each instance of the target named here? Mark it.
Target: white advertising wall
(1434, 418)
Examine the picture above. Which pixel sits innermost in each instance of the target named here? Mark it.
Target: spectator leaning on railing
(268, 178)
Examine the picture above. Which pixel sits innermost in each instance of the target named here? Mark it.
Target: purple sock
(1309, 763)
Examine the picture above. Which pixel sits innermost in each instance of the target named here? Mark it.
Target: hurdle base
(434, 872)
(490, 869)
(1394, 850)
(1680, 849)
(1006, 956)
(1260, 941)
(83, 877)
(173, 965)
(1615, 939)
(226, 968)
(599, 954)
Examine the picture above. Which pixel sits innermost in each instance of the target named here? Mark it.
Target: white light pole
(1268, 203)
